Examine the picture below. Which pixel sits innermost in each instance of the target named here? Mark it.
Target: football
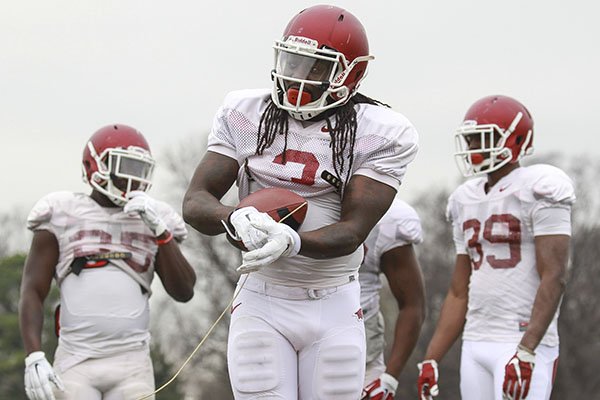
(282, 205)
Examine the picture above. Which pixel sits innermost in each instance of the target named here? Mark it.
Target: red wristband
(166, 240)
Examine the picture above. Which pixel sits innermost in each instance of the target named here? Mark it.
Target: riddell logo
(359, 314)
(340, 78)
(302, 40)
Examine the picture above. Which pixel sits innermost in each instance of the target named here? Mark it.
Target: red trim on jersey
(554, 369)
(57, 321)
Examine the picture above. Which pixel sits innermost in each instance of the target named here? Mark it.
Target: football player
(389, 250)
(297, 328)
(511, 227)
(103, 250)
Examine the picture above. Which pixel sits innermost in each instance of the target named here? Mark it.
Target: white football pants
(293, 343)
(482, 370)
(125, 376)
(374, 330)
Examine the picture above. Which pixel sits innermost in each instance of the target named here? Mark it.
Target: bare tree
(579, 323)
(13, 232)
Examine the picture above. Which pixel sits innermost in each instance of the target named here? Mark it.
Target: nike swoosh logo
(234, 307)
(502, 189)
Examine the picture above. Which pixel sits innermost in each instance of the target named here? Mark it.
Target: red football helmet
(117, 160)
(320, 61)
(496, 130)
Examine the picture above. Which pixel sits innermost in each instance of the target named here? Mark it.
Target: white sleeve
(383, 178)
(398, 234)
(552, 221)
(220, 139)
(400, 226)
(40, 214)
(457, 232)
(459, 239)
(554, 195)
(395, 151)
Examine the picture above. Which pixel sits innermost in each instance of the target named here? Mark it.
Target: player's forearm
(545, 304)
(204, 212)
(177, 275)
(406, 334)
(331, 241)
(364, 203)
(450, 325)
(31, 321)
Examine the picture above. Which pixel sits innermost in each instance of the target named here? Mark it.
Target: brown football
(281, 204)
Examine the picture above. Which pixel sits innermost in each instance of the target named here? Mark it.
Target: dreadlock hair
(274, 121)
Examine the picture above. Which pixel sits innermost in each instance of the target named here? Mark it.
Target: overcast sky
(69, 67)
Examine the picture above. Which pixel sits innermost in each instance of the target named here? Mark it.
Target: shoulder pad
(467, 191)
(406, 220)
(552, 184)
(43, 210)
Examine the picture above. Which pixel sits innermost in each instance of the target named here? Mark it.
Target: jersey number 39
(511, 236)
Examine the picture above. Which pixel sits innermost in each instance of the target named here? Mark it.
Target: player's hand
(40, 377)
(427, 382)
(143, 205)
(382, 388)
(282, 241)
(517, 374)
(239, 227)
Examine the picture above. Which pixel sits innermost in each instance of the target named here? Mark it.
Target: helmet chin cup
(301, 98)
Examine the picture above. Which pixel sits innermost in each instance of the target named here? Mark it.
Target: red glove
(428, 380)
(517, 374)
(382, 388)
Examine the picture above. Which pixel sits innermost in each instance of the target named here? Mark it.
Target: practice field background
(68, 67)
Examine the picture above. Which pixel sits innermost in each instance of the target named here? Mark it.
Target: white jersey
(104, 310)
(386, 143)
(497, 231)
(400, 226)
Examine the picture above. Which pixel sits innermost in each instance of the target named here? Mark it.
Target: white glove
(243, 230)
(382, 388)
(38, 375)
(282, 241)
(143, 205)
(427, 382)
